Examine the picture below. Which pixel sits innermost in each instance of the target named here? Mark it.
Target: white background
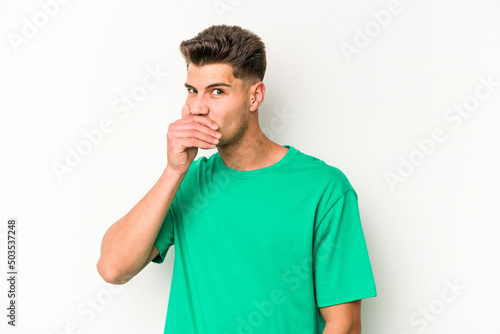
(362, 112)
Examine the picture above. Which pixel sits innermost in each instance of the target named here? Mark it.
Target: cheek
(228, 115)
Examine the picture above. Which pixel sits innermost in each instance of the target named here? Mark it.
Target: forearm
(343, 327)
(127, 244)
(342, 318)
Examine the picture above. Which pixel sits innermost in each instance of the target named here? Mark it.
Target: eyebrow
(217, 84)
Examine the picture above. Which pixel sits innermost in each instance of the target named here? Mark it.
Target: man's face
(214, 92)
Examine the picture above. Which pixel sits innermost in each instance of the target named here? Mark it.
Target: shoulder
(322, 173)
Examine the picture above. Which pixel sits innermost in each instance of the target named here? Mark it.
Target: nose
(199, 105)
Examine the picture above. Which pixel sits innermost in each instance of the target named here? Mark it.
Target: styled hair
(233, 45)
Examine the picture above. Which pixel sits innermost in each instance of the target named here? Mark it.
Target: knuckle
(195, 125)
(202, 120)
(172, 126)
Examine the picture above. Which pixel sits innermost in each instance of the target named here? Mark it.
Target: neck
(253, 151)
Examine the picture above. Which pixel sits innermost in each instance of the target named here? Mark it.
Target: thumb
(186, 111)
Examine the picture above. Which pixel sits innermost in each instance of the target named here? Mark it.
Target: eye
(217, 91)
(192, 90)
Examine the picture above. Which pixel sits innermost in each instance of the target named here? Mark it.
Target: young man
(268, 239)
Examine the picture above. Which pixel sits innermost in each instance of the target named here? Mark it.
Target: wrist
(169, 172)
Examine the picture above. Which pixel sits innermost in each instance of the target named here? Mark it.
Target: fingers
(207, 122)
(186, 113)
(181, 140)
(194, 142)
(196, 131)
(197, 123)
(191, 132)
(186, 135)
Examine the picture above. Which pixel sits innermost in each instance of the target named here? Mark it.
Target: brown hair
(232, 45)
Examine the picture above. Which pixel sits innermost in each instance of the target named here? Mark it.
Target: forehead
(211, 73)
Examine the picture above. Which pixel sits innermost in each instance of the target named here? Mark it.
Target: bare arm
(128, 245)
(342, 318)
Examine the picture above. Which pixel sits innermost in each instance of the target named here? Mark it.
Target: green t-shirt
(259, 251)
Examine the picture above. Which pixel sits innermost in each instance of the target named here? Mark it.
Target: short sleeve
(342, 270)
(165, 237)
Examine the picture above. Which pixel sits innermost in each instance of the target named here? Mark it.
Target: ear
(257, 94)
